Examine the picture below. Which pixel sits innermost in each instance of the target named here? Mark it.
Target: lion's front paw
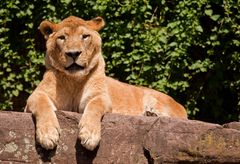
(48, 135)
(89, 134)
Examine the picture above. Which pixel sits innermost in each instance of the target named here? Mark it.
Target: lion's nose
(73, 54)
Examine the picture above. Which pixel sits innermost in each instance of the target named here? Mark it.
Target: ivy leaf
(208, 12)
(199, 28)
(215, 17)
(163, 39)
(15, 93)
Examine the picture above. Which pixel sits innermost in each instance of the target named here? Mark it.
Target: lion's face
(73, 50)
(73, 45)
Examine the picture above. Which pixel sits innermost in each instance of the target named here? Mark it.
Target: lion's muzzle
(74, 67)
(73, 54)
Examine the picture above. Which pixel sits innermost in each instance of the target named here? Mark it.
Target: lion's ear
(46, 27)
(96, 23)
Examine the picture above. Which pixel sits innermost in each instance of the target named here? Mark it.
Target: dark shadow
(84, 156)
(148, 156)
(45, 155)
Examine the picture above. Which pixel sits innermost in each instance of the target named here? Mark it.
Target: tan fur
(83, 87)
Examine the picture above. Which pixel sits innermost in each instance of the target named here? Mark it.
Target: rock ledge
(125, 139)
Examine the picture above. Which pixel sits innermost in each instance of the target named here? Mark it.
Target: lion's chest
(69, 102)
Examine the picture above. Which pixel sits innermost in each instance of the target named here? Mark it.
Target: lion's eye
(62, 37)
(85, 36)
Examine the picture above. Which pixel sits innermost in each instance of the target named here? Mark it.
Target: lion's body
(125, 99)
(75, 80)
(132, 100)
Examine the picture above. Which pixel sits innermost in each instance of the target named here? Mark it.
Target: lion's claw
(90, 136)
(48, 136)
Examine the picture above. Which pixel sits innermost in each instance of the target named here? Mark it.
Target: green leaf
(15, 93)
(208, 12)
(199, 28)
(173, 44)
(163, 39)
(19, 87)
(213, 37)
(215, 17)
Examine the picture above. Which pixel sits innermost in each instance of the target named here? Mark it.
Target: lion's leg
(90, 123)
(47, 126)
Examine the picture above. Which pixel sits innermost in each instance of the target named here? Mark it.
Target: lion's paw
(89, 134)
(48, 135)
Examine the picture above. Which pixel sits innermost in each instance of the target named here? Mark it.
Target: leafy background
(189, 49)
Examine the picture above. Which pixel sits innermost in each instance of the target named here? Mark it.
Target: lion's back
(133, 100)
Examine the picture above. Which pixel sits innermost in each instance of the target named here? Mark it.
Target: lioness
(75, 80)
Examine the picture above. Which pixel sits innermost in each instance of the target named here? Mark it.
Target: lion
(75, 80)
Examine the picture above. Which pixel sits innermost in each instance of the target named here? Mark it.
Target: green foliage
(188, 49)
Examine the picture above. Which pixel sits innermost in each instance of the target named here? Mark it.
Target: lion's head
(73, 45)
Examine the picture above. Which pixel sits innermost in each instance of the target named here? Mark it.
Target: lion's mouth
(74, 67)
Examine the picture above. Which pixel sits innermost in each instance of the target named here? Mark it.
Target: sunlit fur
(83, 87)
